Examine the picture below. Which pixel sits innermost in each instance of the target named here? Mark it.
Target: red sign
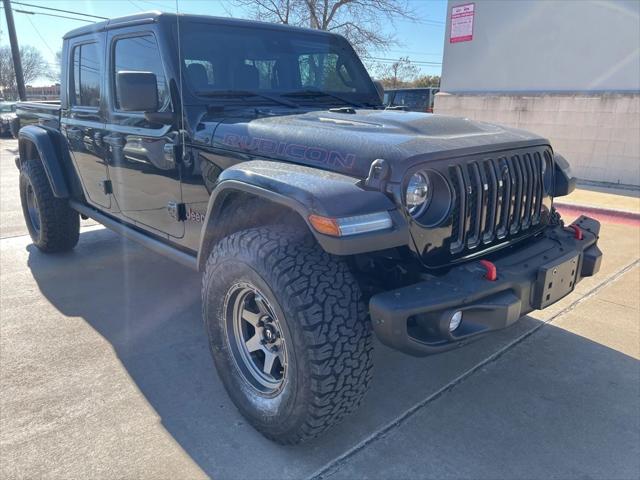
(462, 23)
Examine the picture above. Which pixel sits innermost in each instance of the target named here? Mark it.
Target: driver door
(144, 174)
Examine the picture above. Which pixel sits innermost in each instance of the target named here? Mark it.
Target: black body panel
(318, 157)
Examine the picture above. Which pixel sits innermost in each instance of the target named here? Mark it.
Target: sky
(421, 39)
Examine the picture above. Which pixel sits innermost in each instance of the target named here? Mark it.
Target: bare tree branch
(362, 22)
(34, 66)
(397, 74)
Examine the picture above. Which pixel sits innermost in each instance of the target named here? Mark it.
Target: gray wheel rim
(32, 208)
(255, 336)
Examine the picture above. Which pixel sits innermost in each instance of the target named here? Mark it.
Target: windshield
(6, 108)
(267, 61)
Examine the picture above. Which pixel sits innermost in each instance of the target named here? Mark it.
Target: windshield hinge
(379, 173)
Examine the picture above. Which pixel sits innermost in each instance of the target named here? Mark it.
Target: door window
(87, 72)
(140, 54)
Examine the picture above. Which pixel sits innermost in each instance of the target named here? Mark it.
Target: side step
(133, 234)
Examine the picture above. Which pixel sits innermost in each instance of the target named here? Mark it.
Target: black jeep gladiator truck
(262, 156)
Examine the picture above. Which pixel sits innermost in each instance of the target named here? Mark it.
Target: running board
(133, 234)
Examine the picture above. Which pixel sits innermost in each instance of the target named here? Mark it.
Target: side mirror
(137, 91)
(380, 89)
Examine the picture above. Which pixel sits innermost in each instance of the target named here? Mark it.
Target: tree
(361, 22)
(397, 74)
(34, 66)
(426, 81)
(55, 70)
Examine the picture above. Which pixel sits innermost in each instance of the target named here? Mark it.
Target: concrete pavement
(105, 372)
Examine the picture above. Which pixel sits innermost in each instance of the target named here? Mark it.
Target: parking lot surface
(105, 372)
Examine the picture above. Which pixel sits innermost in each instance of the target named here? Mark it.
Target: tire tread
(327, 303)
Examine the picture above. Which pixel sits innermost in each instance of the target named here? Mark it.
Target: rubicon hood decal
(295, 152)
(349, 143)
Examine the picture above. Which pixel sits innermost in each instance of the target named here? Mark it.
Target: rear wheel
(288, 331)
(53, 225)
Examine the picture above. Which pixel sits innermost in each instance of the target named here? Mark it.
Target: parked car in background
(8, 118)
(411, 99)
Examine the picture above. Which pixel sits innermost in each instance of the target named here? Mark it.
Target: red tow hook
(577, 232)
(492, 271)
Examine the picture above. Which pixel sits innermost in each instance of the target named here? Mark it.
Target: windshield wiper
(244, 94)
(312, 92)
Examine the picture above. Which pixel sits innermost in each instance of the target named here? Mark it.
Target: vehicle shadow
(148, 309)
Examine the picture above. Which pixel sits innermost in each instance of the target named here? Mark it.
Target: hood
(349, 142)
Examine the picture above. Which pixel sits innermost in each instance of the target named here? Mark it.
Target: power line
(58, 10)
(414, 52)
(38, 34)
(136, 6)
(392, 60)
(26, 12)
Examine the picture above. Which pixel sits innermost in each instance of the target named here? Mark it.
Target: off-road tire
(325, 327)
(59, 224)
(14, 127)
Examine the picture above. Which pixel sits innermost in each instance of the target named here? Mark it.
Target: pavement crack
(332, 467)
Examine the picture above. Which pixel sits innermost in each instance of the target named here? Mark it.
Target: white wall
(598, 134)
(545, 45)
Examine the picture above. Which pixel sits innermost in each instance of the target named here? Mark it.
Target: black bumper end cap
(591, 260)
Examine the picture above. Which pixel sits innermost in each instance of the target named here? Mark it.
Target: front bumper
(415, 319)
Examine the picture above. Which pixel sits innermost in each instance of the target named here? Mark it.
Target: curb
(609, 212)
(604, 214)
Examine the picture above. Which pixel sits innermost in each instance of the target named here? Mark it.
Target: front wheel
(288, 331)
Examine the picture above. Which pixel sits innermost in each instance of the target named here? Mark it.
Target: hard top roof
(156, 16)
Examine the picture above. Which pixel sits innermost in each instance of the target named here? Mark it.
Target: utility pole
(15, 50)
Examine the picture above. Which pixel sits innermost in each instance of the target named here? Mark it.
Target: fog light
(455, 321)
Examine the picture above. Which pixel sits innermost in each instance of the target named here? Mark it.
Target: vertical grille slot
(460, 210)
(507, 200)
(492, 210)
(495, 198)
(516, 203)
(526, 215)
(476, 193)
(538, 188)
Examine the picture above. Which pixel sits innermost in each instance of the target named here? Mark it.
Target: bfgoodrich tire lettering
(53, 225)
(322, 319)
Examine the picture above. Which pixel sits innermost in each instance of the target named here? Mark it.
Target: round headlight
(418, 194)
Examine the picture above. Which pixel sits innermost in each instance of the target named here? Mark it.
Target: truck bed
(45, 113)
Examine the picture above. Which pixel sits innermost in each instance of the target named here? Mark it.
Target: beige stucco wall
(598, 133)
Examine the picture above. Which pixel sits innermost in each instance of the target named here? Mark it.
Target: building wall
(598, 134)
(567, 70)
(540, 45)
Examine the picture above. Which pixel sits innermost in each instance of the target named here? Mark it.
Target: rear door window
(87, 72)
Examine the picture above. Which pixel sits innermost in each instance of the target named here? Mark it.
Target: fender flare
(305, 191)
(564, 181)
(42, 140)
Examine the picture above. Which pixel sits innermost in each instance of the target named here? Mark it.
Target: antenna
(182, 131)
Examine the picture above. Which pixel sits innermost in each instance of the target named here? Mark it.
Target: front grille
(496, 198)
